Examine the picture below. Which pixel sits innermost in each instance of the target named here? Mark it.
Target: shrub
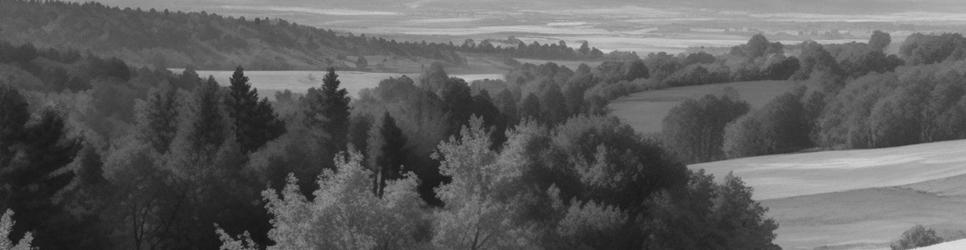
(917, 236)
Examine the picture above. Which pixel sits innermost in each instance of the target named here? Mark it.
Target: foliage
(915, 237)
(254, 121)
(344, 214)
(781, 126)
(6, 227)
(694, 130)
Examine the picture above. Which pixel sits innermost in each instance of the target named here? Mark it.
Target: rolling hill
(857, 199)
(201, 39)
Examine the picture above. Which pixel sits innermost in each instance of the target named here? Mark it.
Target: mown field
(646, 110)
(858, 199)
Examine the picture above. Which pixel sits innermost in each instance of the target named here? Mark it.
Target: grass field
(857, 199)
(646, 110)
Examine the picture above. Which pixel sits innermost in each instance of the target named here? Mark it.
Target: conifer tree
(327, 109)
(159, 121)
(388, 151)
(207, 129)
(254, 120)
(35, 174)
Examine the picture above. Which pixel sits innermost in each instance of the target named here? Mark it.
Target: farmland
(857, 198)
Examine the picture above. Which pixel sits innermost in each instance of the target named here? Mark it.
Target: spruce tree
(327, 109)
(254, 120)
(388, 153)
(13, 118)
(207, 129)
(158, 123)
(35, 174)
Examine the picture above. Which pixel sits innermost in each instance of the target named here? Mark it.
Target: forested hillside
(210, 41)
(852, 96)
(100, 155)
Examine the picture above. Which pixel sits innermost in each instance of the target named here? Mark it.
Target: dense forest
(210, 41)
(101, 155)
(849, 96)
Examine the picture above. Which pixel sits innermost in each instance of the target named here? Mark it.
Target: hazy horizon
(639, 26)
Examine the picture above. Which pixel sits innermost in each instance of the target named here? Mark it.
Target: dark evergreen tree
(207, 129)
(388, 151)
(492, 118)
(160, 120)
(13, 117)
(327, 112)
(34, 175)
(255, 122)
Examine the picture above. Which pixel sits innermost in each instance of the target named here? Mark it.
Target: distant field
(646, 110)
(857, 199)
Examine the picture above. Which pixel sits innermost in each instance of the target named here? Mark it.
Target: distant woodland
(850, 96)
(97, 152)
(210, 41)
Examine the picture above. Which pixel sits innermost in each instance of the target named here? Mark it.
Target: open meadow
(857, 199)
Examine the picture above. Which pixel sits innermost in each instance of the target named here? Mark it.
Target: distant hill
(798, 6)
(204, 40)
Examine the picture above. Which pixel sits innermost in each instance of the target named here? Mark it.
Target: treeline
(519, 49)
(853, 97)
(210, 41)
(760, 59)
(136, 159)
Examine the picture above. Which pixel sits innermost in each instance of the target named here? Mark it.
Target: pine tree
(327, 109)
(254, 120)
(207, 129)
(13, 118)
(36, 174)
(159, 119)
(388, 153)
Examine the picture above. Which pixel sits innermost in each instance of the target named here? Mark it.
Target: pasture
(857, 199)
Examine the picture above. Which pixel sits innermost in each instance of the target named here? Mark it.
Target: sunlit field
(857, 198)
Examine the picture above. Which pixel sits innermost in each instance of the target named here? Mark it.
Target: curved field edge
(857, 199)
(789, 175)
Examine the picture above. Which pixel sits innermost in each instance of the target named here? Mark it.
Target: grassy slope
(858, 199)
(645, 111)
